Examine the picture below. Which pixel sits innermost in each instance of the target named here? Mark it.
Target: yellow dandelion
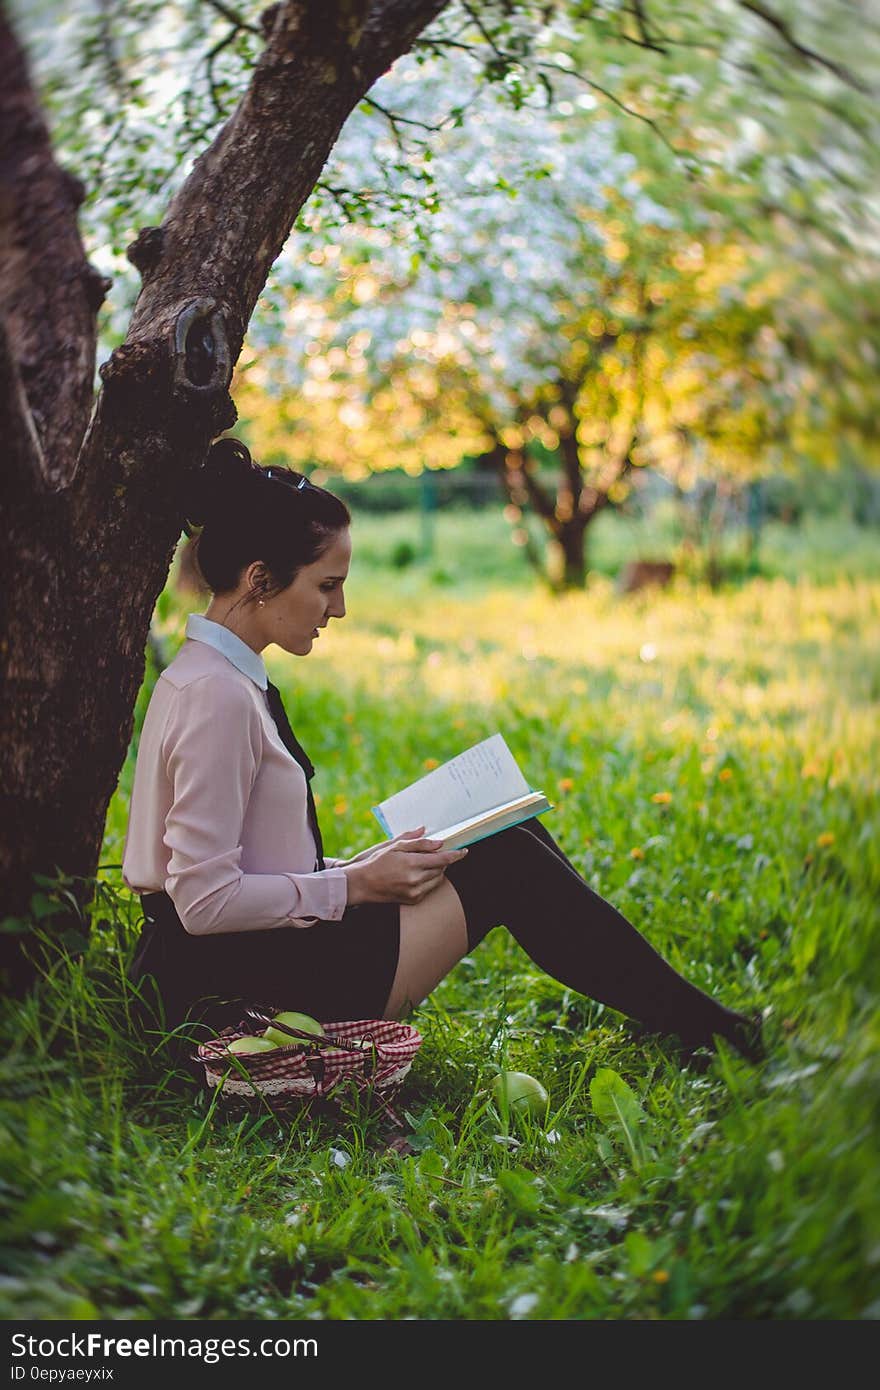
(566, 784)
(811, 769)
(725, 774)
(637, 852)
(825, 839)
(660, 1276)
(340, 808)
(431, 763)
(349, 718)
(662, 798)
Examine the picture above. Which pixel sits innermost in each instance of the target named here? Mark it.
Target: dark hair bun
(222, 486)
(247, 513)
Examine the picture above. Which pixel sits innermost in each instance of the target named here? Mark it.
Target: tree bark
(49, 294)
(92, 521)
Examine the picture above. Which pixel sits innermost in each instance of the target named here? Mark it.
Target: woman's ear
(257, 578)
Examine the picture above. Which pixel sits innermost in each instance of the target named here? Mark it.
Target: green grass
(712, 759)
(471, 547)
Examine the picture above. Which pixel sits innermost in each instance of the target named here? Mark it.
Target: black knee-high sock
(522, 878)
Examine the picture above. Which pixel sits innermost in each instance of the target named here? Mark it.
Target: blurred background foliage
(596, 252)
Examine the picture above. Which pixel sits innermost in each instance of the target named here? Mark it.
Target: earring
(260, 603)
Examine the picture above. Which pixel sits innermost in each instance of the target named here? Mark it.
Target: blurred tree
(612, 315)
(194, 132)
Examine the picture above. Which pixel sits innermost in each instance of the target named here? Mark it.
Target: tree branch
(112, 66)
(394, 119)
(646, 39)
(209, 70)
(391, 28)
(783, 29)
(615, 101)
(520, 476)
(230, 219)
(571, 463)
(49, 294)
(235, 19)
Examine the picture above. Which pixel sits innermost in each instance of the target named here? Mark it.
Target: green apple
(293, 1020)
(251, 1044)
(521, 1093)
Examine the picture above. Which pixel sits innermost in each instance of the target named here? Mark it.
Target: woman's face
(293, 618)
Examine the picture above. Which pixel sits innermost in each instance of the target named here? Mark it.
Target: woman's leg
(433, 938)
(522, 878)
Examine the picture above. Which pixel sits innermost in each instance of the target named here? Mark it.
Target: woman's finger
(440, 856)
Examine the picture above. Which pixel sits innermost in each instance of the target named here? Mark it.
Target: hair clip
(275, 475)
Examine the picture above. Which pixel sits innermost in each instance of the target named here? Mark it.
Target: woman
(223, 843)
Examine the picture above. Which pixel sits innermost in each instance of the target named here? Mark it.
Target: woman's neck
(224, 612)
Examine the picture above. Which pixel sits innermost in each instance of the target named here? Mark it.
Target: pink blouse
(218, 814)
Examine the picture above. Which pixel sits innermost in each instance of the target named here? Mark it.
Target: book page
(512, 813)
(479, 779)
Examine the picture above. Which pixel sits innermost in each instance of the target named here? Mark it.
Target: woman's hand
(403, 870)
(382, 844)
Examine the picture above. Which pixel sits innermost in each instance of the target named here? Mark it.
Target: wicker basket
(374, 1054)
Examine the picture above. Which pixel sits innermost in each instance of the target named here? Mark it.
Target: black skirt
(330, 970)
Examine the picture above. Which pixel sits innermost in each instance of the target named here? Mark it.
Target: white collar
(223, 640)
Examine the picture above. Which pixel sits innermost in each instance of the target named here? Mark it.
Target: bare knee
(433, 939)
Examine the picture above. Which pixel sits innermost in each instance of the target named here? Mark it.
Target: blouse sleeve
(211, 782)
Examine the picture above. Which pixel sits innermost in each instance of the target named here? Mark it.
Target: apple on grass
(520, 1093)
(303, 1022)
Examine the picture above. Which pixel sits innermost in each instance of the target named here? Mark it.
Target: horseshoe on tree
(200, 349)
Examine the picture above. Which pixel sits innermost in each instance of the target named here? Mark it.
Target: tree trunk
(92, 522)
(568, 556)
(566, 516)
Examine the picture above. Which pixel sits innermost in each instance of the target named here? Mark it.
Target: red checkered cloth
(310, 1070)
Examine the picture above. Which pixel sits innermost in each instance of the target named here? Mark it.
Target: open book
(472, 796)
